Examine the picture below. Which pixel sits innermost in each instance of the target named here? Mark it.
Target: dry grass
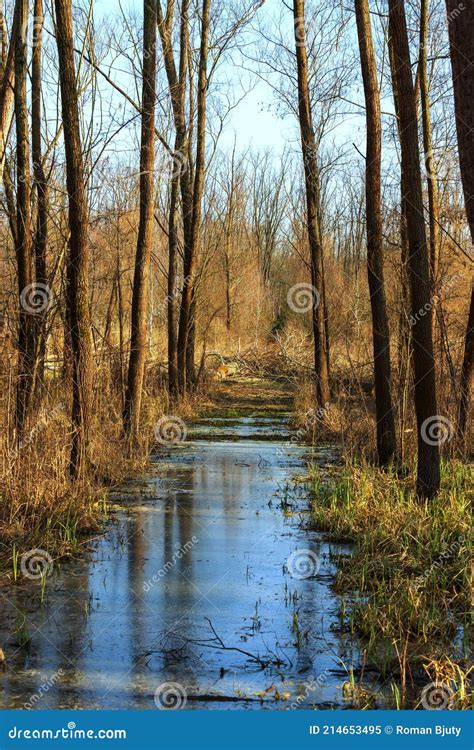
(39, 506)
(407, 586)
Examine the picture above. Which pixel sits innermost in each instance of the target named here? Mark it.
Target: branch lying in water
(271, 659)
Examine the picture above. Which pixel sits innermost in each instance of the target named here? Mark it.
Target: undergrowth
(406, 587)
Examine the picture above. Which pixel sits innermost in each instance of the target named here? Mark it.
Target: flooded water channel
(207, 589)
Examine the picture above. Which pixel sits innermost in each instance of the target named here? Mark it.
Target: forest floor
(248, 396)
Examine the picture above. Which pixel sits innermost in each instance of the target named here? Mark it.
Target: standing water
(206, 591)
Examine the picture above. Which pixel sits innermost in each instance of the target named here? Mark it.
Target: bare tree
(386, 440)
(461, 39)
(141, 280)
(8, 80)
(418, 264)
(41, 227)
(78, 259)
(312, 183)
(24, 247)
(191, 245)
(431, 173)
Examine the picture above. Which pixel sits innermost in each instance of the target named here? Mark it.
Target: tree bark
(78, 260)
(181, 175)
(191, 243)
(41, 228)
(172, 289)
(7, 85)
(386, 440)
(431, 174)
(24, 246)
(141, 281)
(428, 478)
(312, 184)
(461, 41)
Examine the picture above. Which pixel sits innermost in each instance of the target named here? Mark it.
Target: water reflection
(198, 550)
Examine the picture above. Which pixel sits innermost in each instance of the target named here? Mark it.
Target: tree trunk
(467, 373)
(312, 183)
(24, 248)
(191, 243)
(78, 260)
(181, 167)
(172, 288)
(431, 173)
(7, 85)
(41, 228)
(386, 440)
(461, 40)
(428, 478)
(141, 281)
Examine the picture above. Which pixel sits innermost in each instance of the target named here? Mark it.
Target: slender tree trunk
(386, 440)
(181, 166)
(431, 173)
(141, 281)
(172, 288)
(7, 84)
(418, 264)
(308, 145)
(191, 344)
(41, 228)
(78, 260)
(191, 244)
(24, 247)
(461, 40)
(467, 373)
(404, 331)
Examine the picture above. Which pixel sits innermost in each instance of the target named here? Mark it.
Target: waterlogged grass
(406, 589)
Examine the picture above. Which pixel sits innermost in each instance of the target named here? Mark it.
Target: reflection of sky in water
(205, 539)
